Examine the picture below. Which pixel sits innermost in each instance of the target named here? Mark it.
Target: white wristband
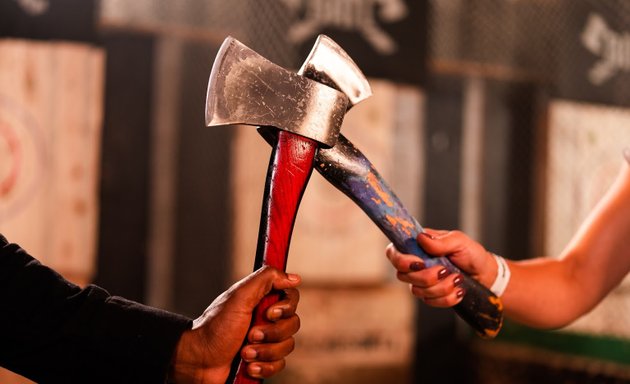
(503, 276)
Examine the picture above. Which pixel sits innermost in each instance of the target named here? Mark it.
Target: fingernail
(460, 293)
(458, 280)
(255, 369)
(250, 354)
(293, 277)
(416, 266)
(442, 273)
(258, 335)
(276, 313)
(427, 235)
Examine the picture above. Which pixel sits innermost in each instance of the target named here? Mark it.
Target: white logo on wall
(34, 7)
(349, 15)
(612, 48)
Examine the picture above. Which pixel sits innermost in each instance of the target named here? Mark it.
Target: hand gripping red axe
(349, 170)
(296, 114)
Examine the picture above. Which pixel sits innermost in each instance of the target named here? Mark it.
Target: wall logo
(34, 7)
(612, 48)
(361, 16)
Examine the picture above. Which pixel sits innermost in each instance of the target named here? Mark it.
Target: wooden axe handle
(351, 172)
(290, 168)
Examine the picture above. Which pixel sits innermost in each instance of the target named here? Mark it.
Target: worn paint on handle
(351, 172)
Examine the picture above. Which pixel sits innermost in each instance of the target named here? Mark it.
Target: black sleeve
(52, 331)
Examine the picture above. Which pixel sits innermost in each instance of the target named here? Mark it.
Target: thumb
(257, 285)
(463, 251)
(446, 243)
(435, 242)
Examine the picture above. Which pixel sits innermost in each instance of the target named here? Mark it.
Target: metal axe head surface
(246, 88)
(329, 64)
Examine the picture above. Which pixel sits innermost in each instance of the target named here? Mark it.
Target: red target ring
(23, 158)
(9, 179)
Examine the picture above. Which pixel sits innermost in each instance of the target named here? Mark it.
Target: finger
(436, 232)
(261, 370)
(268, 352)
(445, 287)
(254, 287)
(425, 278)
(449, 300)
(403, 262)
(286, 307)
(443, 243)
(290, 280)
(274, 332)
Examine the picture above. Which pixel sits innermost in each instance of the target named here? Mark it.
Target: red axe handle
(290, 168)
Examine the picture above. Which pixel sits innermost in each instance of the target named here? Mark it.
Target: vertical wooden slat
(164, 149)
(203, 222)
(472, 157)
(122, 250)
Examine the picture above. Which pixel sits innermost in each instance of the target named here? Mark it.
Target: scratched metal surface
(246, 88)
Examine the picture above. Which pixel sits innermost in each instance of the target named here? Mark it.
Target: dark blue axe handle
(351, 172)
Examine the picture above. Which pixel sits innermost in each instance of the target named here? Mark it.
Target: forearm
(54, 331)
(551, 293)
(541, 294)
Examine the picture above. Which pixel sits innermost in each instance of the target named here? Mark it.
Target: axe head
(329, 64)
(246, 88)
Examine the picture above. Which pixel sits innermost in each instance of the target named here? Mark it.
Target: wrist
(185, 365)
(489, 273)
(503, 275)
(195, 362)
(178, 367)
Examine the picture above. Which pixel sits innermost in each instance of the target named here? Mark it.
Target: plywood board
(585, 155)
(50, 125)
(345, 331)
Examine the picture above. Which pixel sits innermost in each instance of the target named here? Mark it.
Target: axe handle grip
(290, 168)
(351, 172)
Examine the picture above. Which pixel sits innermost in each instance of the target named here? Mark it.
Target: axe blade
(245, 88)
(329, 64)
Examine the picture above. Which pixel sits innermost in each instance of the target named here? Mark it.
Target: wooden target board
(50, 124)
(585, 145)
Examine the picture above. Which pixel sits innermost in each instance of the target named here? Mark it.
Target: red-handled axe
(296, 114)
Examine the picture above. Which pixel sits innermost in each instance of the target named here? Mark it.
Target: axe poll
(296, 114)
(350, 171)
